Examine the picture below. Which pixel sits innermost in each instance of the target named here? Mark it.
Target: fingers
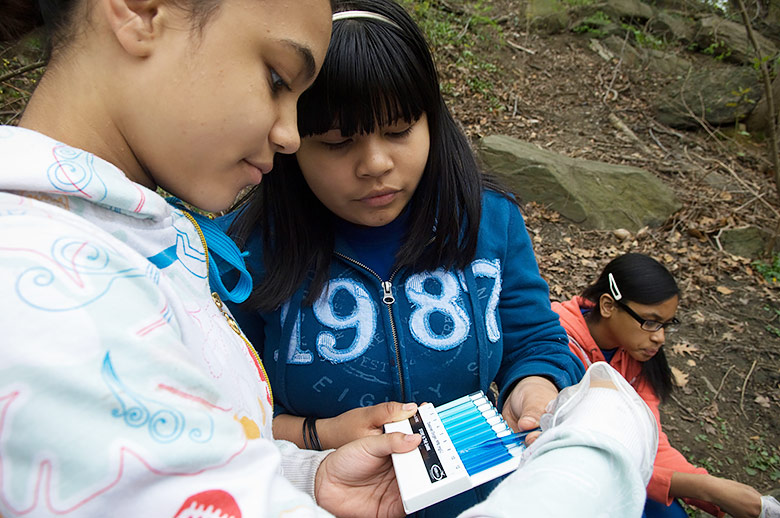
(529, 400)
(529, 421)
(531, 437)
(385, 444)
(393, 411)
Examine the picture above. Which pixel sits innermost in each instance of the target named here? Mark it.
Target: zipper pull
(387, 292)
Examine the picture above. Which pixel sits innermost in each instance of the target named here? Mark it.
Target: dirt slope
(553, 91)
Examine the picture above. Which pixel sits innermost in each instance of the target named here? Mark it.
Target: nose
(284, 134)
(375, 158)
(658, 336)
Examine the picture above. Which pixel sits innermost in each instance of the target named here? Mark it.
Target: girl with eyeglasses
(623, 318)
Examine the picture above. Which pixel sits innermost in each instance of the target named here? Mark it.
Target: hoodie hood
(67, 175)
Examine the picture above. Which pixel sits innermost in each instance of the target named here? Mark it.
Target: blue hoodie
(421, 337)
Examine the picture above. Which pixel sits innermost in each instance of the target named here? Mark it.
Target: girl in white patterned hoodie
(126, 389)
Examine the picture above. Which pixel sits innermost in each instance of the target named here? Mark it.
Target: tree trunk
(758, 120)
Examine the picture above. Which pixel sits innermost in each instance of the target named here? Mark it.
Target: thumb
(385, 444)
(528, 421)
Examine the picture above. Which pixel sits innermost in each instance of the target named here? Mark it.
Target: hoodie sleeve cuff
(300, 466)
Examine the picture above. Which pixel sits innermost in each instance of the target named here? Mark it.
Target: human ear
(606, 305)
(134, 24)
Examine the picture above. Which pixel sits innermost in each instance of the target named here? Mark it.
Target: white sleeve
(300, 466)
(594, 457)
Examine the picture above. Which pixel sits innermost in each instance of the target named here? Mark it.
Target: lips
(264, 167)
(380, 198)
(257, 170)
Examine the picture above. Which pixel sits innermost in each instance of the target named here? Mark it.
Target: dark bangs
(372, 76)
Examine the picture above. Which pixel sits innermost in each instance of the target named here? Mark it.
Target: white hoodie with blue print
(124, 391)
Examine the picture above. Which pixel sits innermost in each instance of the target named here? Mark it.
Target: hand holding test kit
(465, 443)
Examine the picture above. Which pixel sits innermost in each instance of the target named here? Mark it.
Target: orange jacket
(667, 460)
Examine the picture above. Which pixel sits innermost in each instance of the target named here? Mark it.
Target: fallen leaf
(762, 401)
(691, 363)
(680, 378)
(684, 347)
(724, 290)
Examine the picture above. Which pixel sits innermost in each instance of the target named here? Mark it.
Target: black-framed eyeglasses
(650, 325)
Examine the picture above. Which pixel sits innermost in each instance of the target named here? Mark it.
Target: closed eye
(400, 134)
(277, 83)
(338, 144)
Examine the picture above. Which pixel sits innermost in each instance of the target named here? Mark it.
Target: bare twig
(658, 143)
(744, 184)
(767, 91)
(464, 30)
(742, 397)
(722, 381)
(615, 70)
(23, 70)
(683, 407)
(620, 125)
(518, 47)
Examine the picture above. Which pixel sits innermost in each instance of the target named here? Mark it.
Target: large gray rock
(548, 16)
(594, 194)
(660, 62)
(718, 95)
(727, 40)
(671, 27)
(628, 10)
(746, 241)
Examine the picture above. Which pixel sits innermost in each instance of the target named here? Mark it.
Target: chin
(212, 203)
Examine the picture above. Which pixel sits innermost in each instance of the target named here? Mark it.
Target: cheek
(628, 336)
(634, 342)
(416, 166)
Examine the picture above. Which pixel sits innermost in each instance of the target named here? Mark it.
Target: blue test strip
(478, 433)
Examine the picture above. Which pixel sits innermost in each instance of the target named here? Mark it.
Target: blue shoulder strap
(222, 250)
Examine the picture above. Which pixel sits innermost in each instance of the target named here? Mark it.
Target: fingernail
(409, 406)
(410, 438)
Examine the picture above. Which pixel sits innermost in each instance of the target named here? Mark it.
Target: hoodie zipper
(388, 300)
(221, 307)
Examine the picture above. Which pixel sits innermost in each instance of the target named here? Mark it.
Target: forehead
(662, 311)
(301, 24)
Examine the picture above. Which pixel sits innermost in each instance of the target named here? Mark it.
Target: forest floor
(499, 77)
(552, 90)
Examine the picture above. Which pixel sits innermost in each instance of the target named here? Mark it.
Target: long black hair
(643, 280)
(375, 73)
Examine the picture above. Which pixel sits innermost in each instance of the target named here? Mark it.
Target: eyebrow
(657, 318)
(306, 55)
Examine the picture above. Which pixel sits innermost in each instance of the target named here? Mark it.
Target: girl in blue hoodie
(386, 266)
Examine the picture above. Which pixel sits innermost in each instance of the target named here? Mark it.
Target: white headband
(344, 15)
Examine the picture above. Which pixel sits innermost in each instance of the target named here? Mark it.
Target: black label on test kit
(429, 456)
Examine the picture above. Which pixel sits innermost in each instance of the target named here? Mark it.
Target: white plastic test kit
(465, 443)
